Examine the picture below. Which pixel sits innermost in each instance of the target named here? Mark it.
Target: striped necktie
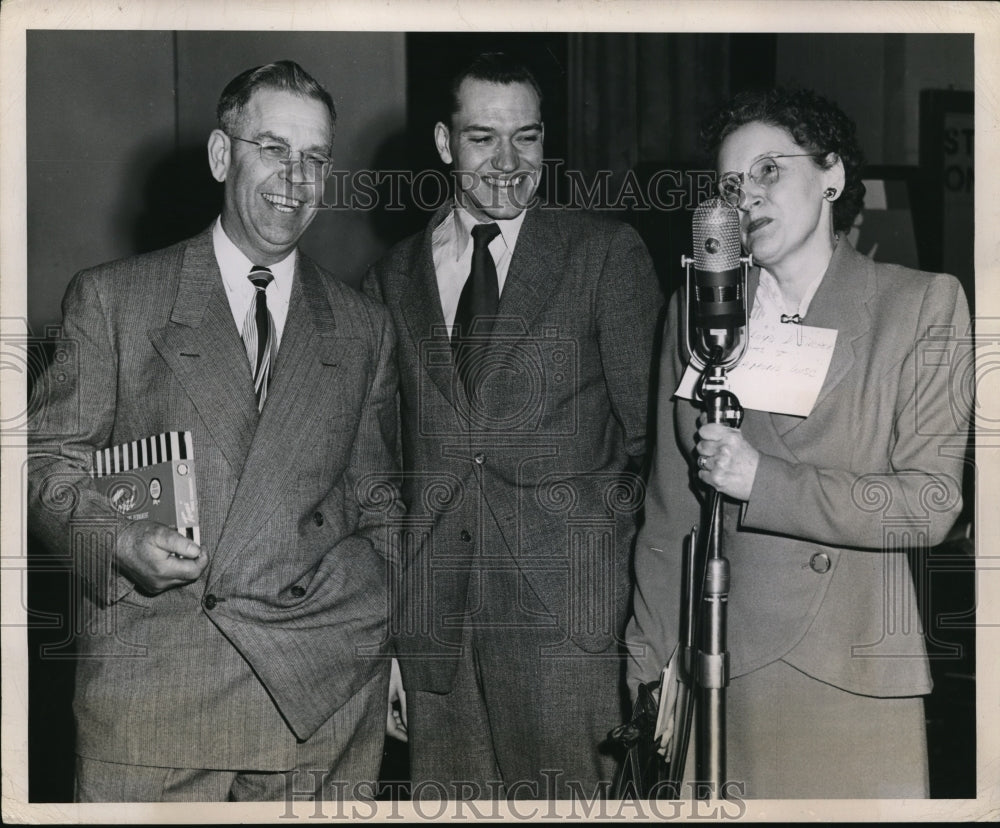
(258, 333)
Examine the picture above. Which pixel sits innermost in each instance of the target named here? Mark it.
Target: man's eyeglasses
(276, 155)
(763, 173)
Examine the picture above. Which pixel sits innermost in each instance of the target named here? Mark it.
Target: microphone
(716, 296)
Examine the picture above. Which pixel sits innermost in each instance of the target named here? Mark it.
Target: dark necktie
(477, 305)
(258, 333)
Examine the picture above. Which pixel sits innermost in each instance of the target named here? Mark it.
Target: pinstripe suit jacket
(818, 553)
(297, 568)
(531, 478)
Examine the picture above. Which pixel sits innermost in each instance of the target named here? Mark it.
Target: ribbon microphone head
(716, 231)
(716, 298)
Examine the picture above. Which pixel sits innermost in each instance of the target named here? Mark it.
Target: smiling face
(790, 219)
(268, 207)
(494, 144)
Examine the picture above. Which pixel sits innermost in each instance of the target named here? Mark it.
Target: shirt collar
(235, 266)
(462, 222)
(772, 297)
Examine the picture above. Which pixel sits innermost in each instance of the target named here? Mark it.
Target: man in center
(525, 348)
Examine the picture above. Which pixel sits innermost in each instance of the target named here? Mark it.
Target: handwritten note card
(782, 370)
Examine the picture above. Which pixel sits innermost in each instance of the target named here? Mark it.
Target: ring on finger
(702, 462)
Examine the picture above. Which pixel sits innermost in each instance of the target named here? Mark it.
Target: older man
(247, 667)
(525, 349)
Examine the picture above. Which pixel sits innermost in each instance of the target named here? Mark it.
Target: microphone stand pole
(712, 676)
(705, 657)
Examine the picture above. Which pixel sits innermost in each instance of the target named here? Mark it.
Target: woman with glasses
(827, 660)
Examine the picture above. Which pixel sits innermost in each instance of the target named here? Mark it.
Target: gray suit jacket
(819, 552)
(536, 478)
(279, 632)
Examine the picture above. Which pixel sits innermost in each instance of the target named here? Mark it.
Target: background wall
(877, 80)
(117, 125)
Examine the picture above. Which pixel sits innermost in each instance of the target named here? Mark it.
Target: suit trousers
(486, 739)
(340, 761)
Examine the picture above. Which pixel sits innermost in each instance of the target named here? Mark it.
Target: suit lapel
(535, 270)
(841, 303)
(203, 348)
(303, 386)
(420, 302)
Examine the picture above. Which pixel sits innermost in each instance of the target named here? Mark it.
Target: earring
(829, 193)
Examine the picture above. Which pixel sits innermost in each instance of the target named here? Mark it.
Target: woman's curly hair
(815, 124)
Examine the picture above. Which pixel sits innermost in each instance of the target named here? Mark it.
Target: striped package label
(152, 479)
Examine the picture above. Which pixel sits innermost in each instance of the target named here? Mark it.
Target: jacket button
(820, 562)
(465, 535)
(210, 601)
(318, 518)
(480, 458)
(298, 591)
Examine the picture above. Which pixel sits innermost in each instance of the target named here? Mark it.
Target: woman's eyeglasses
(763, 173)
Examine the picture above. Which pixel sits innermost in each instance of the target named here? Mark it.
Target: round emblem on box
(127, 496)
(154, 488)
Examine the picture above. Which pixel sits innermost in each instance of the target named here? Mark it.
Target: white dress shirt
(235, 268)
(451, 245)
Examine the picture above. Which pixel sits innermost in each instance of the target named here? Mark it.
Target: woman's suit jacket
(818, 553)
(229, 671)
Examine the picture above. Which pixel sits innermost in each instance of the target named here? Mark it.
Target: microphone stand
(712, 677)
(705, 659)
(704, 665)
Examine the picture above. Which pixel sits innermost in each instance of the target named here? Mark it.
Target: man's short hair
(492, 67)
(284, 75)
